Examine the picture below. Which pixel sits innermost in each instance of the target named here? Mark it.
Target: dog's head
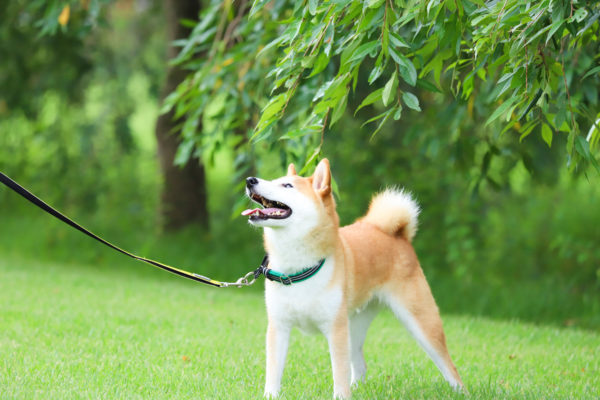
(292, 200)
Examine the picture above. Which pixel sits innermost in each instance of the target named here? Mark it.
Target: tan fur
(394, 212)
(291, 170)
(373, 259)
(339, 348)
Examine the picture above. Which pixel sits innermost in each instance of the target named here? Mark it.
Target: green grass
(231, 249)
(82, 331)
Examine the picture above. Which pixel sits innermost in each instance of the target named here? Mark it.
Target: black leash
(243, 281)
(189, 275)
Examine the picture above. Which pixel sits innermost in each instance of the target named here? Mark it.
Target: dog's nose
(251, 181)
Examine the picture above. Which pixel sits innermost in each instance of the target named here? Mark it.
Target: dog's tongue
(250, 212)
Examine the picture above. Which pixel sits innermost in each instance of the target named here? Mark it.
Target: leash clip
(243, 281)
(250, 277)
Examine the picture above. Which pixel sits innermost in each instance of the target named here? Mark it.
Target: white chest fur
(310, 305)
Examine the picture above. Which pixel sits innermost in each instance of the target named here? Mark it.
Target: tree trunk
(183, 200)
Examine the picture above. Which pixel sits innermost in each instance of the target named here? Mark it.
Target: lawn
(83, 331)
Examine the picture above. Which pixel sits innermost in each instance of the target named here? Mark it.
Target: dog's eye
(287, 185)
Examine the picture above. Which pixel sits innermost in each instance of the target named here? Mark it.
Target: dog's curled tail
(395, 212)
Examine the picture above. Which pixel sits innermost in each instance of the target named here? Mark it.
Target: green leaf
(582, 147)
(411, 101)
(547, 134)
(312, 6)
(308, 61)
(169, 102)
(591, 72)
(374, 3)
(310, 159)
(320, 64)
(555, 26)
(536, 35)
(302, 132)
(348, 51)
(579, 15)
(257, 5)
(594, 135)
(375, 118)
(274, 43)
(370, 99)
(527, 128)
(398, 113)
(436, 65)
(507, 127)
(333, 95)
(397, 41)
(328, 39)
(399, 58)
(505, 77)
(389, 90)
(377, 70)
(338, 111)
(532, 103)
(590, 21)
(422, 83)
(409, 74)
(371, 18)
(500, 110)
(184, 152)
(363, 50)
(385, 35)
(386, 116)
(274, 106)
(405, 67)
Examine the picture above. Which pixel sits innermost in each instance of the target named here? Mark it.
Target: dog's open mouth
(272, 209)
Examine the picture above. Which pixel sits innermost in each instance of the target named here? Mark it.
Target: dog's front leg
(277, 346)
(339, 348)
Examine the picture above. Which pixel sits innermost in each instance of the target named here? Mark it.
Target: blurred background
(506, 230)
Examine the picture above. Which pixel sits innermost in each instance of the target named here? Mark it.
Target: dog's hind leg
(413, 304)
(359, 324)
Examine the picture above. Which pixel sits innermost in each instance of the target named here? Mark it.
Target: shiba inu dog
(334, 280)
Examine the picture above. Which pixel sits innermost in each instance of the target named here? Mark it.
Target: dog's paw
(342, 394)
(356, 379)
(271, 394)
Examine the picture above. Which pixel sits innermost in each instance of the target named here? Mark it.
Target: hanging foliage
(285, 70)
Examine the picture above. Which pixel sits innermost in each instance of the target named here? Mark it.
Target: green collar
(287, 279)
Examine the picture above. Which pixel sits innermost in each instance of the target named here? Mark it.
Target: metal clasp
(243, 281)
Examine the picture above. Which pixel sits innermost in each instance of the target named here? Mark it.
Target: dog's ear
(322, 178)
(291, 170)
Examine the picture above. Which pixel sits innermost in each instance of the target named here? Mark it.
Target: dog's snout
(251, 181)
